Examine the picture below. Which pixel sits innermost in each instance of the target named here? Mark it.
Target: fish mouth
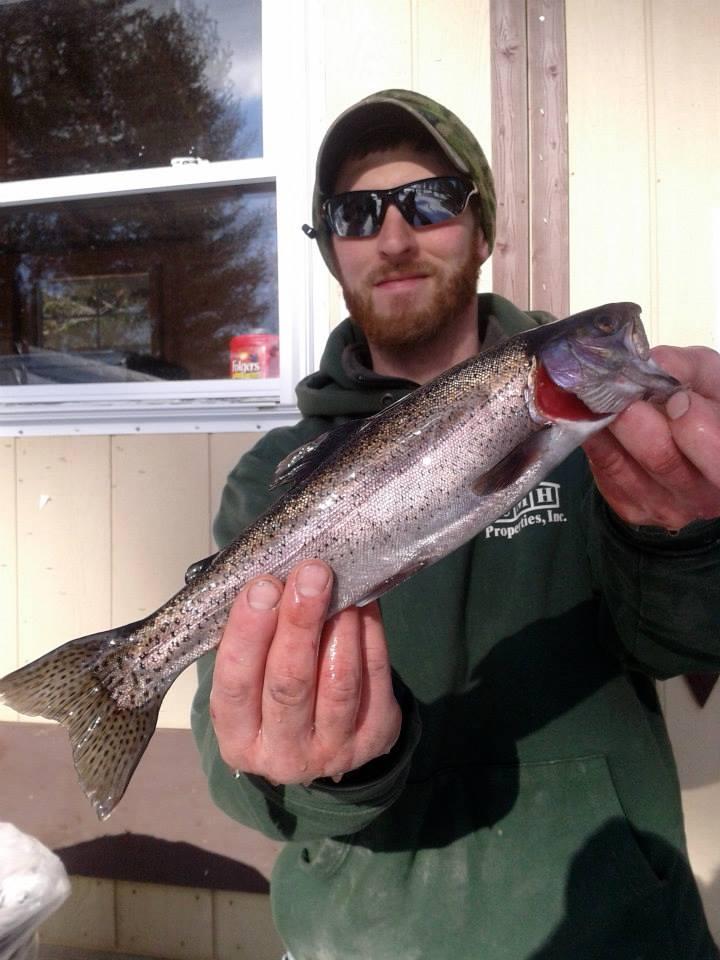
(626, 346)
(608, 370)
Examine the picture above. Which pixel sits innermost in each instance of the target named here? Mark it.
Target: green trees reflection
(91, 85)
(94, 85)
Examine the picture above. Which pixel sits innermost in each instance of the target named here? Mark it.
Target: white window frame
(201, 405)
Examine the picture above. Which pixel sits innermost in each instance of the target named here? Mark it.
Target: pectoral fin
(512, 467)
(400, 577)
(300, 463)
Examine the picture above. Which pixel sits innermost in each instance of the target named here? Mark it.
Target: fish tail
(76, 685)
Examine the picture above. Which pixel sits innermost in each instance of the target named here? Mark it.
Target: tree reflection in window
(90, 86)
(97, 85)
(96, 313)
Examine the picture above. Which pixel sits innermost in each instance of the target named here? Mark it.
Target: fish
(378, 499)
(33, 885)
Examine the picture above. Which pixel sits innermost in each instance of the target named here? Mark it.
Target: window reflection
(180, 285)
(88, 86)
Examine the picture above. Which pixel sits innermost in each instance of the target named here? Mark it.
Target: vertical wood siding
(644, 126)
(548, 156)
(530, 153)
(63, 540)
(683, 44)
(154, 920)
(160, 524)
(511, 164)
(98, 531)
(610, 173)
(432, 46)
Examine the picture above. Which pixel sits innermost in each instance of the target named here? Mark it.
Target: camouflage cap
(397, 108)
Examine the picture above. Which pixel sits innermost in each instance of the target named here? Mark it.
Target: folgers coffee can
(254, 356)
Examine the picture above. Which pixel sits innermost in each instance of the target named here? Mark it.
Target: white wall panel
(644, 124)
(225, 451)
(694, 734)
(368, 47)
(160, 519)
(685, 72)
(160, 921)
(609, 152)
(451, 62)
(63, 515)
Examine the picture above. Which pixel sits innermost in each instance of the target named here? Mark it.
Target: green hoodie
(531, 807)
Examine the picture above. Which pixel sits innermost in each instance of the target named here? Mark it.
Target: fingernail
(312, 580)
(263, 595)
(678, 405)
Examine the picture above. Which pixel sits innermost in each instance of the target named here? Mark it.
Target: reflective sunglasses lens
(433, 201)
(359, 213)
(355, 214)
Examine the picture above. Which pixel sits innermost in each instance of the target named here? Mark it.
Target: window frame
(201, 405)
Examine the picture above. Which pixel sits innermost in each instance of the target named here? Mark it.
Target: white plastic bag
(33, 884)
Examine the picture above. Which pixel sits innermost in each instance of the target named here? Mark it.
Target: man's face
(406, 285)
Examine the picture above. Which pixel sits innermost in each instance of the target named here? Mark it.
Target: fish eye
(605, 323)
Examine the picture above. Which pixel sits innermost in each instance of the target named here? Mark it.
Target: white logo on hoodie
(540, 507)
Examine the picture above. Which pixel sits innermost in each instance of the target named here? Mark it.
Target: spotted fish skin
(377, 500)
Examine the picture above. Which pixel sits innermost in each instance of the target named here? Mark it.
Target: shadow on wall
(693, 731)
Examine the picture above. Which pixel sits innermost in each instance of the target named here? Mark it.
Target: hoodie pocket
(530, 861)
(572, 807)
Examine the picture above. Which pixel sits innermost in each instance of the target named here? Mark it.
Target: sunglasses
(360, 213)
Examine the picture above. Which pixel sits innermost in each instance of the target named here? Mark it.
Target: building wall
(644, 145)
(99, 530)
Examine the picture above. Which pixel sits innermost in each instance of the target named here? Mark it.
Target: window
(141, 238)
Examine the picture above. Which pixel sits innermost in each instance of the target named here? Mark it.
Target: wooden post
(511, 268)
(548, 152)
(530, 153)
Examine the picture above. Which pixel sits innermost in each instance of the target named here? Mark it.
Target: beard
(396, 328)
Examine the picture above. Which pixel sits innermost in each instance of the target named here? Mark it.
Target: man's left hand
(660, 466)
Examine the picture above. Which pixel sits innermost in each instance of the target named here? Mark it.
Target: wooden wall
(644, 190)
(644, 130)
(99, 530)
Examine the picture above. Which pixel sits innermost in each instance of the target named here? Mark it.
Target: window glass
(89, 86)
(175, 285)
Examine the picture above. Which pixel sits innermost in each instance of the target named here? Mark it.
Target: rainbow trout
(377, 499)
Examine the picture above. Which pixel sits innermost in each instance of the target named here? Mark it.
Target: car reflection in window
(30, 364)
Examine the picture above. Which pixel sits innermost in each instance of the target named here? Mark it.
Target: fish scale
(377, 500)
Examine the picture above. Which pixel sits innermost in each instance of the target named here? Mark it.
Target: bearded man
(476, 767)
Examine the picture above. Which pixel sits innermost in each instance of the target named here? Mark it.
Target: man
(507, 790)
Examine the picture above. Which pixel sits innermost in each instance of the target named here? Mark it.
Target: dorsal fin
(198, 567)
(300, 463)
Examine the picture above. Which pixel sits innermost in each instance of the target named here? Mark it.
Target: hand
(294, 697)
(661, 467)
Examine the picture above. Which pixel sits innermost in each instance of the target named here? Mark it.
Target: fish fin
(435, 425)
(508, 470)
(74, 686)
(200, 566)
(385, 585)
(300, 463)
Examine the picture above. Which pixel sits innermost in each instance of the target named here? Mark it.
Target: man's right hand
(295, 697)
